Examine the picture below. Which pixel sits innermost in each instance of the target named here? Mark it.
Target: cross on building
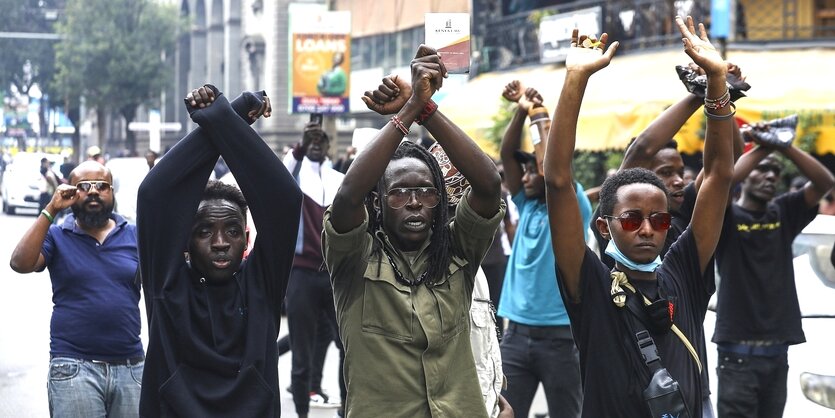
(154, 127)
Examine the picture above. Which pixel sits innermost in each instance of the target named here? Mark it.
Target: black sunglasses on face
(85, 186)
(399, 197)
(631, 221)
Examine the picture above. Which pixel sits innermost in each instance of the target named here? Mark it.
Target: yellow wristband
(48, 216)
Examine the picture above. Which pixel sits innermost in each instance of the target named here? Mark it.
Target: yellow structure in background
(624, 98)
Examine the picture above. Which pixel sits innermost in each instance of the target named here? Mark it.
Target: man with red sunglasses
(635, 323)
(96, 356)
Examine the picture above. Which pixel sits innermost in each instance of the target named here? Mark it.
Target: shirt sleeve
(473, 234)
(345, 254)
(591, 269)
(682, 266)
(794, 213)
(48, 246)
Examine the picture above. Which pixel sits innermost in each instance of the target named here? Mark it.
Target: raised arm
(27, 256)
(821, 180)
(709, 209)
(348, 210)
(563, 209)
(512, 139)
(659, 133)
(167, 201)
(271, 192)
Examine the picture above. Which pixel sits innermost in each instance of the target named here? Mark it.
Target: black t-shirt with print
(681, 219)
(757, 295)
(614, 376)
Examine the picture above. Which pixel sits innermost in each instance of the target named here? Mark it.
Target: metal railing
(510, 41)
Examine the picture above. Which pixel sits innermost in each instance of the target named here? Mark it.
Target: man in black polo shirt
(758, 315)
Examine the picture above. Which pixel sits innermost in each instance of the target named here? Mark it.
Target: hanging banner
(320, 59)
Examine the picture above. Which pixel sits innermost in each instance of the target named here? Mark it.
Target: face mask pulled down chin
(613, 251)
(93, 219)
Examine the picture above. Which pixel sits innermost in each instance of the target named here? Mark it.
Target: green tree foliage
(28, 16)
(113, 54)
(500, 120)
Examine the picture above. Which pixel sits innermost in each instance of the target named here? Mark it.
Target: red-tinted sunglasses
(631, 221)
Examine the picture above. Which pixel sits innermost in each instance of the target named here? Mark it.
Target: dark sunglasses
(631, 221)
(399, 197)
(85, 186)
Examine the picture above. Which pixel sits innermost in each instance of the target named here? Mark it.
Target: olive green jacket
(407, 349)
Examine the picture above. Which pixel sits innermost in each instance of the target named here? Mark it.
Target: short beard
(92, 219)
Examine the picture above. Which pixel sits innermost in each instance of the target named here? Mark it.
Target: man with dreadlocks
(402, 273)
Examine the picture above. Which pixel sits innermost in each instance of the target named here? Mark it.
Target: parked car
(128, 173)
(21, 180)
(811, 369)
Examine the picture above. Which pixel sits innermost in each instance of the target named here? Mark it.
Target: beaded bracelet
(46, 213)
(399, 125)
(719, 103)
(427, 112)
(721, 117)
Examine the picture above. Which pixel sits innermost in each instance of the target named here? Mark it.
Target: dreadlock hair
(222, 191)
(441, 239)
(609, 190)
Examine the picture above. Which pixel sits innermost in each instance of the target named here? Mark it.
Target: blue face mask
(613, 251)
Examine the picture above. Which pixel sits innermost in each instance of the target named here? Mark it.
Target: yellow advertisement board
(320, 60)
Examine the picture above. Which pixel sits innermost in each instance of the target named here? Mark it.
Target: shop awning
(622, 99)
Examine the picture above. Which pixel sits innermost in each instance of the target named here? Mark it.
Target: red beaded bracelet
(399, 125)
(427, 112)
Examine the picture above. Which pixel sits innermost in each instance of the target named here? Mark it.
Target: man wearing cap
(96, 357)
(309, 295)
(537, 344)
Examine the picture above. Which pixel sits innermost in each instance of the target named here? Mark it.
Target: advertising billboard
(320, 59)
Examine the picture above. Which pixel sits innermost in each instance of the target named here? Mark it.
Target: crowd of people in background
(451, 284)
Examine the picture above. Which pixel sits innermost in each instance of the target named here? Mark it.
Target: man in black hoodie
(214, 319)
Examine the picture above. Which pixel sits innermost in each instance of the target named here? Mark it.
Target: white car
(811, 368)
(21, 180)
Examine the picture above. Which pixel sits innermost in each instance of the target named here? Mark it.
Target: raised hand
(265, 109)
(201, 97)
(64, 197)
(513, 91)
(588, 54)
(699, 48)
(428, 73)
(532, 96)
(390, 96)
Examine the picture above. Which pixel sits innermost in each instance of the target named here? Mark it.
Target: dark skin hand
(505, 410)
(462, 151)
(369, 166)
(205, 96)
(512, 140)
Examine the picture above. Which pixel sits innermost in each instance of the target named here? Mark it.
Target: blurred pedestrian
(96, 357)
(48, 183)
(213, 317)
(758, 314)
(309, 295)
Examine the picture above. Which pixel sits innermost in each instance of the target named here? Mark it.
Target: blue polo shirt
(530, 294)
(95, 294)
